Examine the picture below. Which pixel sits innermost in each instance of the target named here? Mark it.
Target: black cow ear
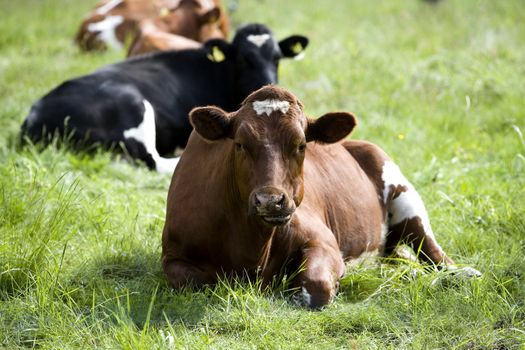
(212, 123)
(293, 46)
(217, 50)
(330, 127)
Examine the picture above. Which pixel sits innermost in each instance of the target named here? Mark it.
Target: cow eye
(239, 147)
(302, 147)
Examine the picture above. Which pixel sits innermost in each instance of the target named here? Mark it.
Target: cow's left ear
(212, 123)
(330, 127)
(293, 46)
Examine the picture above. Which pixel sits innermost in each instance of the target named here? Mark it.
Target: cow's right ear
(217, 50)
(330, 127)
(293, 46)
(212, 123)
(211, 16)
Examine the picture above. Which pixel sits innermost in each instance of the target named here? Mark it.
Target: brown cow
(186, 27)
(266, 188)
(112, 22)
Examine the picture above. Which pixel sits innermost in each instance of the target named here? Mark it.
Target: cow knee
(315, 294)
(319, 283)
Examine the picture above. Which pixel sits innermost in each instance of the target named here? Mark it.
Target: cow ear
(212, 123)
(217, 50)
(330, 127)
(293, 46)
(211, 16)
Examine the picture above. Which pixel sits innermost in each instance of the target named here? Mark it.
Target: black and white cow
(143, 103)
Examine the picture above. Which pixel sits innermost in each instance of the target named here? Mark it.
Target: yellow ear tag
(216, 55)
(164, 11)
(297, 48)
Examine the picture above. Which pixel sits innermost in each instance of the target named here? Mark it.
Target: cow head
(193, 20)
(255, 54)
(268, 139)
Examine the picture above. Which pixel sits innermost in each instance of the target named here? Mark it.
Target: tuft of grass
(439, 87)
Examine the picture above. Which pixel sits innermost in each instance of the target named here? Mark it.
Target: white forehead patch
(270, 105)
(106, 29)
(102, 10)
(258, 39)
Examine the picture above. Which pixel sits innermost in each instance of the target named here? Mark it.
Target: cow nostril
(274, 201)
(280, 202)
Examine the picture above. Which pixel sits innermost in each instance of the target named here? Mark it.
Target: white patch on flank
(384, 233)
(146, 134)
(408, 204)
(106, 29)
(102, 10)
(269, 106)
(258, 39)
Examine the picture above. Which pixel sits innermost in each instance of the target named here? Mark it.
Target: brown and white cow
(113, 22)
(266, 188)
(186, 27)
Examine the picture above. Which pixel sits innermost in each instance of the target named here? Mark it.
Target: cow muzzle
(272, 205)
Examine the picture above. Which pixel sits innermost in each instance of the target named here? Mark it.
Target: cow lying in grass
(143, 103)
(265, 188)
(186, 27)
(113, 22)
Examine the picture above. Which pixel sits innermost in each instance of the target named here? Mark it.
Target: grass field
(440, 87)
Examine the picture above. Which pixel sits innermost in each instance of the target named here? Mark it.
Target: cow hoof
(463, 272)
(304, 299)
(315, 299)
(454, 274)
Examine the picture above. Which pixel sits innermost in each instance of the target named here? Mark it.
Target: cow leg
(141, 141)
(408, 221)
(318, 282)
(181, 273)
(322, 263)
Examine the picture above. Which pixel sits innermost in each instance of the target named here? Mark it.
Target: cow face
(194, 21)
(268, 139)
(256, 54)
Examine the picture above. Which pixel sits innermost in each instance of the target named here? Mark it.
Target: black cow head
(255, 54)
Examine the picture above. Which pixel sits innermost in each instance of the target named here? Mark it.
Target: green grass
(440, 88)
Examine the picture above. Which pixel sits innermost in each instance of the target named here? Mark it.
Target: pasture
(440, 87)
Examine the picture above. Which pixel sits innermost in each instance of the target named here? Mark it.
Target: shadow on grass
(120, 287)
(117, 285)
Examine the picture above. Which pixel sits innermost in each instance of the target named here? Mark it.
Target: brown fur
(189, 25)
(154, 13)
(215, 212)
